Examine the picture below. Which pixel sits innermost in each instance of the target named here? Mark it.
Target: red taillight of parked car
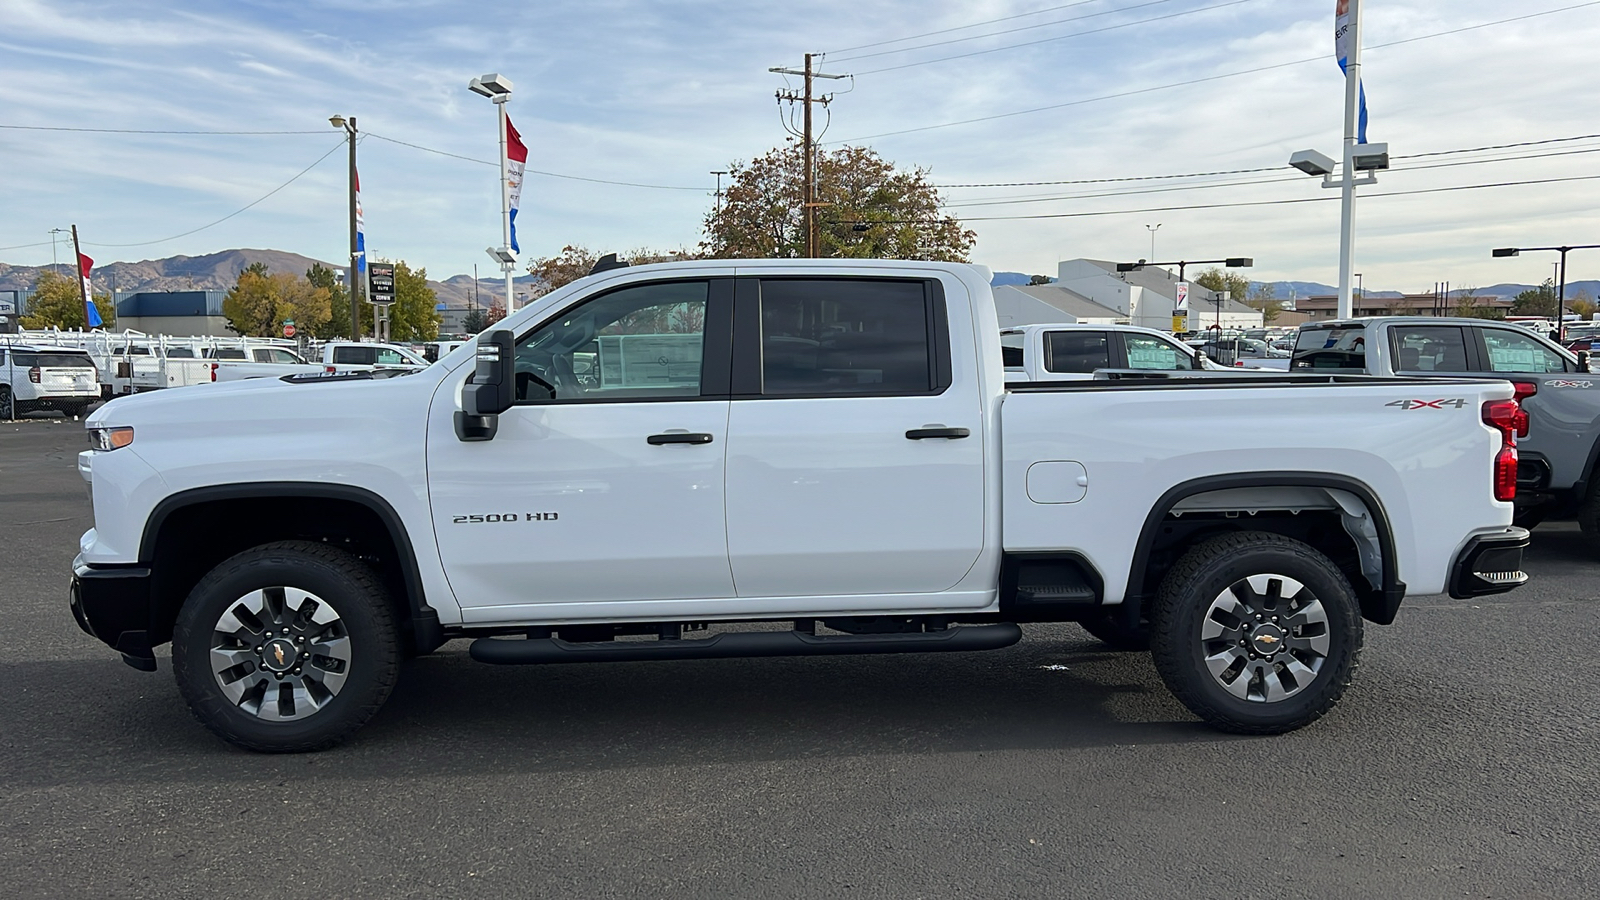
(213, 371)
(33, 374)
(1506, 417)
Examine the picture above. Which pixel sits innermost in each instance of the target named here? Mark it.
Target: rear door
(1075, 355)
(855, 442)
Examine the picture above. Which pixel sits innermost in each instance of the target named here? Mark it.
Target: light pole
(1232, 262)
(1153, 229)
(1358, 157)
(719, 173)
(498, 89)
(353, 283)
(1561, 291)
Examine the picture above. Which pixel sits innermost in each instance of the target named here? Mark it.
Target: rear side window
(1512, 352)
(1429, 348)
(1342, 348)
(46, 360)
(843, 336)
(1076, 352)
(227, 353)
(356, 356)
(179, 353)
(1147, 352)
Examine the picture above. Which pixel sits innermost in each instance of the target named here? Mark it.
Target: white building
(1049, 304)
(1147, 296)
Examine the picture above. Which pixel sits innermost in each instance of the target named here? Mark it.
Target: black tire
(1114, 633)
(365, 617)
(8, 410)
(1589, 512)
(1209, 577)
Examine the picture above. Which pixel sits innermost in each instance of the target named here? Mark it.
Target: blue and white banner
(1341, 43)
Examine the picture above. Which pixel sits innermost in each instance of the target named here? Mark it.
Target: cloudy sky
(661, 93)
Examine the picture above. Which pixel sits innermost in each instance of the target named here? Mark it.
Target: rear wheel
(1589, 512)
(288, 647)
(1256, 633)
(8, 404)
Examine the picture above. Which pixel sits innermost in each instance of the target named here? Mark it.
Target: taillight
(1524, 389)
(33, 374)
(1506, 417)
(213, 371)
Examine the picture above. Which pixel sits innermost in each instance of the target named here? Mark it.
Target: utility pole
(353, 283)
(83, 283)
(808, 191)
(719, 174)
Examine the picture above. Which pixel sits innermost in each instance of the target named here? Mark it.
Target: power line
(1536, 143)
(1062, 37)
(979, 37)
(145, 130)
(1209, 78)
(486, 162)
(1200, 206)
(235, 212)
(1037, 12)
(23, 246)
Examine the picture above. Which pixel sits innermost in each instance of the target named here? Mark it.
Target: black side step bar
(744, 644)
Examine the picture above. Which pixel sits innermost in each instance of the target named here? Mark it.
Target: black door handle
(679, 437)
(923, 434)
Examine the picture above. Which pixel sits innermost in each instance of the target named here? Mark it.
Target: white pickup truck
(1076, 352)
(635, 461)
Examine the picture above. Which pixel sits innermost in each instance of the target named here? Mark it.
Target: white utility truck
(634, 462)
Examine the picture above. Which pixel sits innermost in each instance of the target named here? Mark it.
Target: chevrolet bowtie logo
(1268, 639)
(278, 652)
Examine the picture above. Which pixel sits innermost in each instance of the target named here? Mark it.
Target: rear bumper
(1490, 564)
(113, 605)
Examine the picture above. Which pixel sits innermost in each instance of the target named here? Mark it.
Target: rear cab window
(1336, 348)
(1429, 348)
(1076, 352)
(822, 337)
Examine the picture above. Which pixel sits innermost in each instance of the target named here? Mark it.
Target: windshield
(1338, 347)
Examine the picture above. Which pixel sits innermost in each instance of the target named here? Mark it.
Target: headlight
(110, 438)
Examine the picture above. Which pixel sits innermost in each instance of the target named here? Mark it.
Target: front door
(855, 459)
(604, 483)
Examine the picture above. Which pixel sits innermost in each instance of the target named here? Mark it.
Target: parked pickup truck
(244, 363)
(1076, 352)
(345, 354)
(1559, 444)
(635, 461)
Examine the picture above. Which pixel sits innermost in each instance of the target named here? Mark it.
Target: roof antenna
(607, 263)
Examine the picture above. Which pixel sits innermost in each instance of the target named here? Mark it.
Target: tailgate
(68, 380)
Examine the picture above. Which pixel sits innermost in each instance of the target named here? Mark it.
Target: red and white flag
(84, 265)
(516, 161)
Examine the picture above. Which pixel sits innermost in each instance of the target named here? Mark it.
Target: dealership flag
(361, 229)
(516, 160)
(1341, 44)
(84, 265)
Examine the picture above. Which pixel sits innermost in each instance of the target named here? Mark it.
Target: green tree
(1539, 301)
(1471, 306)
(1039, 279)
(413, 315)
(475, 321)
(1214, 279)
(870, 210)
(259, 304)
(57, 302)
(1265, 298)
(326, 278)
(1581, 305)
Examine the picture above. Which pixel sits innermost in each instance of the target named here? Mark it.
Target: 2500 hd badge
(502, 518)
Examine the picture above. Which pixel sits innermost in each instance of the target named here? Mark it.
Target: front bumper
(1490, 564)
(113, 604)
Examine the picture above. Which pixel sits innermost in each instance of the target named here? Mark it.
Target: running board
(733, 645)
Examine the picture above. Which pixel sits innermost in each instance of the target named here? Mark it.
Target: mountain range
(219, 271)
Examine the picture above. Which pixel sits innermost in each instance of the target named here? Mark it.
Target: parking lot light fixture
(1561, 276)
(348, 126)
(498, 89)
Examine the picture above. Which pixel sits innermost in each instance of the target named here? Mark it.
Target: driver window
(1147, 352)
(639, 343)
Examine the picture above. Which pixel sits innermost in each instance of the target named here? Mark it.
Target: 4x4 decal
(1570, 384)
(1458, 403)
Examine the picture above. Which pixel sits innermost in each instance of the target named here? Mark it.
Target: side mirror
(1583, 361)
(491, 389)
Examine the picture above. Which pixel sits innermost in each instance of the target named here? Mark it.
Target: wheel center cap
(278, 655)
(1267, 639)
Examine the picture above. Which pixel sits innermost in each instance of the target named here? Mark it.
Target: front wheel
(285, 648)
(1256, 633)
(8, 404)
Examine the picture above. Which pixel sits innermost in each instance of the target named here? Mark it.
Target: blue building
(178, 313)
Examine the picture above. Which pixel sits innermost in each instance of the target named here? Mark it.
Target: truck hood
(262, 400)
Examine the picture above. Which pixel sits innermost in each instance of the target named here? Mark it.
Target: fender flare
(429, 633)
(1379, 605)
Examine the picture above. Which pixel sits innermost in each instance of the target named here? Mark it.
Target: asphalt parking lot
(1461, 764)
